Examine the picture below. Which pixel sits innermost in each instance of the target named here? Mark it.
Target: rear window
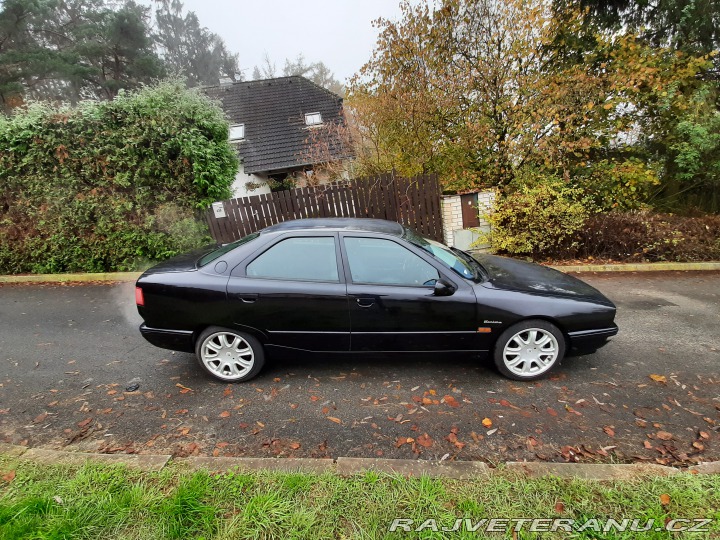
(227, 248)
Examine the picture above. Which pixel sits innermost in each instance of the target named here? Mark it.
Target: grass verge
(103, 501)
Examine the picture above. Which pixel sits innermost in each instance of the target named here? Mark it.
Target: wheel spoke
(247, 364)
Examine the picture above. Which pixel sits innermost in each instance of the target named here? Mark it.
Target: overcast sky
(337, 32)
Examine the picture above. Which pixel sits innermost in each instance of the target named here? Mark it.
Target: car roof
(344, 224)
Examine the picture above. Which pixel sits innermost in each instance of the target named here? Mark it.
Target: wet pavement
(70, 353)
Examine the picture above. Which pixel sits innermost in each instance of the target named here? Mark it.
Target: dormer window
(313, 119)
(237, 132)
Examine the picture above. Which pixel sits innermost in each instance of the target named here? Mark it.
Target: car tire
(529, 350)
(228, 355)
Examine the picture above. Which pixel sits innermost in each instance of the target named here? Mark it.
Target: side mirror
(443, 288)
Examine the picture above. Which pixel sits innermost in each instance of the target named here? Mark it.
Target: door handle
(365, 302)
(247, 298)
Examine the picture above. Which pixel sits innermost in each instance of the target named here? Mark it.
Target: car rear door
(294, 291)
(392, 302)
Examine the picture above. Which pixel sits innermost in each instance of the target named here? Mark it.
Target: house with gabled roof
(271, 125)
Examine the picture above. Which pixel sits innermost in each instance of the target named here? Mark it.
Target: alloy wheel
(530, 352)
(227, 356)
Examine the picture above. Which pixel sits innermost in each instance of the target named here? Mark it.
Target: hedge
(110, 186)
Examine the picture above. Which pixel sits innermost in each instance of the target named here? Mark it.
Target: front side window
(384, 262)
(301, 259)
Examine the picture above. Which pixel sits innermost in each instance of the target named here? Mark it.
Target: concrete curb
(590, 471)
(132, 276)
(348, 466)
(640, 267)
(71, 278)
(224, 464)
(457, 470)
(136, 461)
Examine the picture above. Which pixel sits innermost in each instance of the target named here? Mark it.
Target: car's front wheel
(228, 355)
(529, 349)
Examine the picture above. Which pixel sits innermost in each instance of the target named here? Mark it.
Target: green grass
(111, 502)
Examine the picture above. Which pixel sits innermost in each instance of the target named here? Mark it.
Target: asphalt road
(70, 352)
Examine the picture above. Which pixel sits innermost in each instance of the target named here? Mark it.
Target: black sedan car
(365, 286)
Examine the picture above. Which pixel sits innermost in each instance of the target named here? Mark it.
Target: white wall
(240, 188)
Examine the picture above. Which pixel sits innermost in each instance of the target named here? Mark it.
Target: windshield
(456, 260)
(222, 250)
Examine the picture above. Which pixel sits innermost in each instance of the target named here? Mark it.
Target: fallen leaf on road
(551, 412)
(647, 444)
(183, 389)
(492, 431)
(664, 435)
(698, 445)
(40, 417)
(84, 422)
(314, 398)
(451, 401)
(704, 435)
(184, 431)
(403, 440)
(227, 392)
(333, 419)
(610, 431)
(664, 499)
(487, 422)
(659, 378)
(425, 440)
(295, 445)
(225, 414)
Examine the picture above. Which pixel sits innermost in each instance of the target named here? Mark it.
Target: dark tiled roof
(273, 111)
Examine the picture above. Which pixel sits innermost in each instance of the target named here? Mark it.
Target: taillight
(139, 299)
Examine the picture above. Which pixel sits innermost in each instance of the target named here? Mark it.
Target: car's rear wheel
(228, 355)
(529, 349)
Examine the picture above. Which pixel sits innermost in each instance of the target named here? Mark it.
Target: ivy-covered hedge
(108, 186)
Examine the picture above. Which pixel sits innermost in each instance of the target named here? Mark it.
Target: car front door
(393, 304)
(294, 291)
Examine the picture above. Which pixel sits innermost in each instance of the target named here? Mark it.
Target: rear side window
(384, 262)
(301, 259)
(222, 250)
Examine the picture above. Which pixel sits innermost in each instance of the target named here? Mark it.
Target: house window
(237, 132)
(313, 119)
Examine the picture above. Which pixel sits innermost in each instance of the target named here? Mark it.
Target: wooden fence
(414, 202)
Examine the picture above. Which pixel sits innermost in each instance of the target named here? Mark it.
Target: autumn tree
(478, 91)
(679, 113)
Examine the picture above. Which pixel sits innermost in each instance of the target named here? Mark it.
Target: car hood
(181, 263)
(512, 274)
